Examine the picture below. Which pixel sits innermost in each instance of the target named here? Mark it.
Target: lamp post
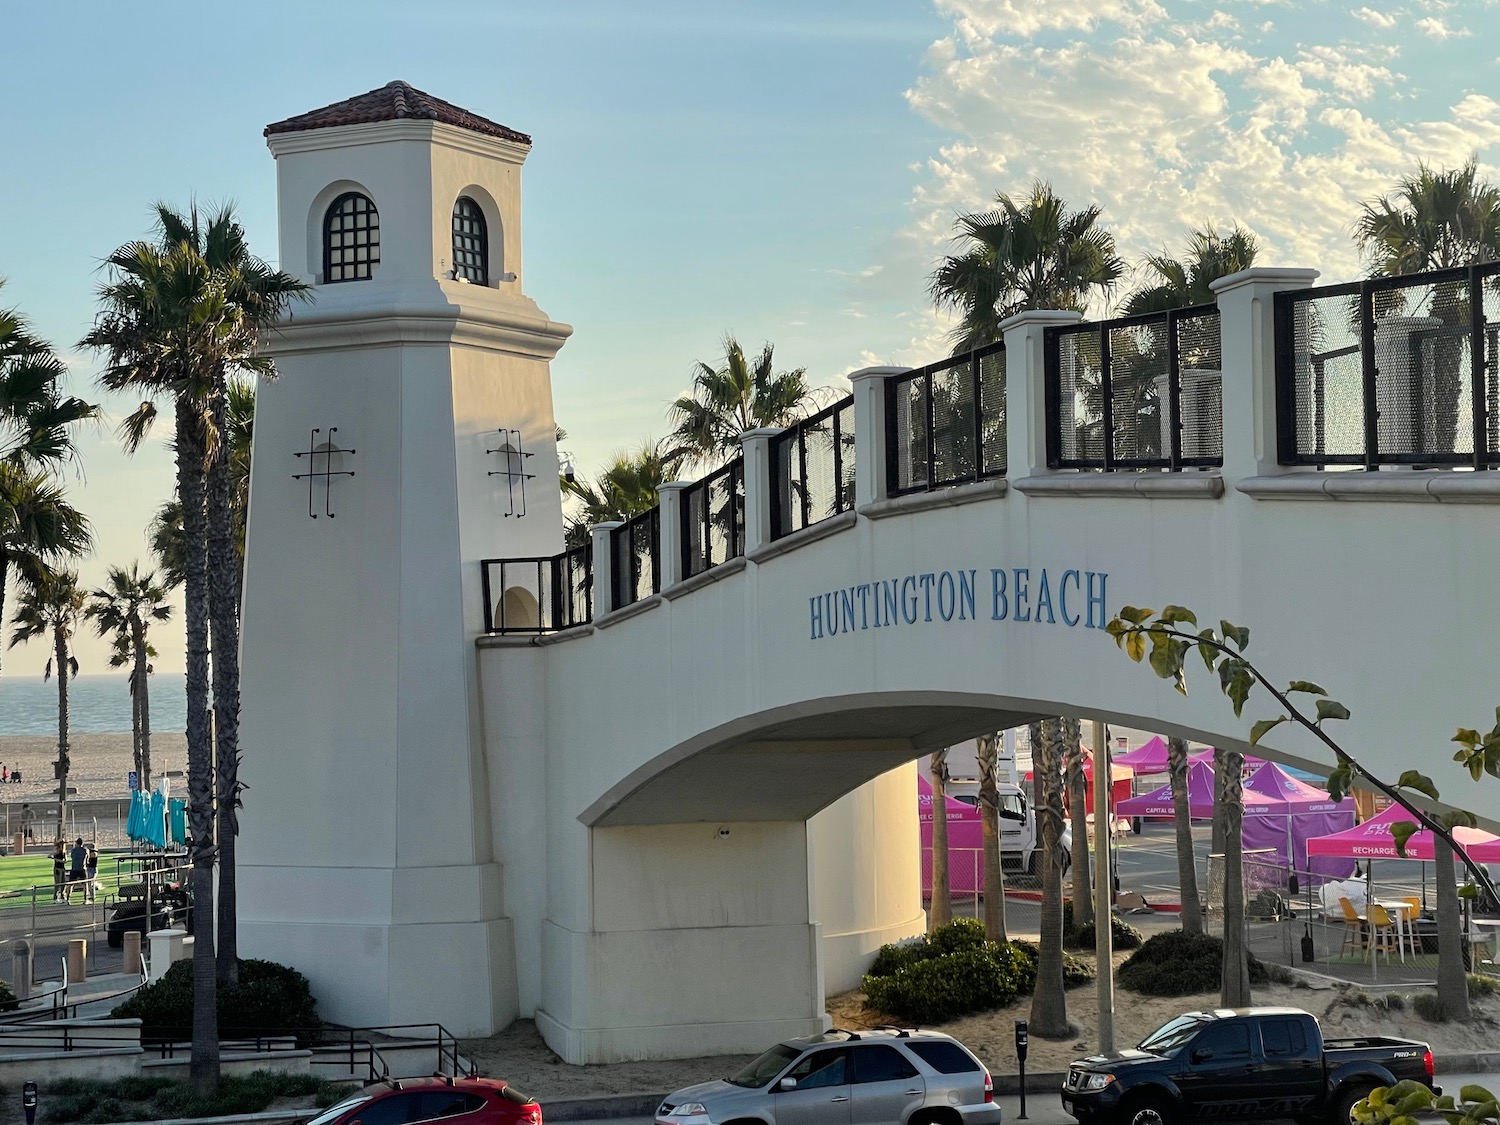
(1104, 980)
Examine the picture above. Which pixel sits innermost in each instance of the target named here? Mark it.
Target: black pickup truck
(1239, 1063)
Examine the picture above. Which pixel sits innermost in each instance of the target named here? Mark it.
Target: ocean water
(97, 704)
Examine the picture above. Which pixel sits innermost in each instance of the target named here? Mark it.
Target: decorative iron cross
(514, 470)
(326, 473)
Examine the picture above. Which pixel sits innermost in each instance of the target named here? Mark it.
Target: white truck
(1020, 845)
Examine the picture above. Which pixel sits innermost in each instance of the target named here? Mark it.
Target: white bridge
(667, 802)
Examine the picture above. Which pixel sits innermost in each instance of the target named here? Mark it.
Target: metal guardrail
(1391, 371)
(713, 519)
(945, 423)
(812, 469)
(538, 595)
(1136, 392)
(635, 551)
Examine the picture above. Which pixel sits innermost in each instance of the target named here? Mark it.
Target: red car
(464, 1101)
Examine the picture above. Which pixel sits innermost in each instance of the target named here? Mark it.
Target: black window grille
(471, 242)
(945, 423)
(1136, 392)
(713, 519)
(1391, 371)
(351, 239)
(634, 548)
(812, 469)
(542, 595)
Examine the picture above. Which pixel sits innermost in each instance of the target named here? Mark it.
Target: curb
(1473, 1062)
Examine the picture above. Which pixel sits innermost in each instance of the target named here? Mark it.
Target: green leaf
(1474, 1093)
(1402, 831)
(1306, 686)
(1467, 737)
(1411, 779)
(1239, 689)
(1469, 891)
(1135, 646)
(1239, 634)
(1135, 616)
(1116, 627)
(1263, 728)
(1331, 709)
(1458, 818)
(1340, 781)
(1209, 653)
(1175, 613)
(1166, 662)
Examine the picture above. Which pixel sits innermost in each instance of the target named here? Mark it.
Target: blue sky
(784, 171)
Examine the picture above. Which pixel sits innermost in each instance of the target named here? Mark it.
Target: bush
(941, 988)
(268, 998)
(1429, 1007)
(1076, 971)
(152, 1099)
(957, 935)
(1395, 1002)
(1122, 934)
(1177, 963)
(1481, 984)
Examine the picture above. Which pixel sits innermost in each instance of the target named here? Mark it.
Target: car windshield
(1169, 1038)
(765, 1067)
(333, 1114)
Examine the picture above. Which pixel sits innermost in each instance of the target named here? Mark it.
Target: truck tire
(1344, 1102)
(1146, 1109)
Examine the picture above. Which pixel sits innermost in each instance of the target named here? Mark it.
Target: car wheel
(116, 939)
(1146, 1110)
(1344, 1103)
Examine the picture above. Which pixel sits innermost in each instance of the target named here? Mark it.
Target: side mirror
(788, 1084)
(1203, 1054)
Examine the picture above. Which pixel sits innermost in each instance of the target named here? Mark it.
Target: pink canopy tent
(1200, 787)
(1373, 840)
(965, 839)
(1152, 757)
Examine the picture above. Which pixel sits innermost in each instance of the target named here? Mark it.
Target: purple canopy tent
(1307, 812)
(1149, 758)
(1200, 787)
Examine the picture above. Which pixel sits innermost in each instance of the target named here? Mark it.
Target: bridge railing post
(757, 445)
(669, 565)
(604, 567)
(1026, 413)
(871, 442)
(1247, 331)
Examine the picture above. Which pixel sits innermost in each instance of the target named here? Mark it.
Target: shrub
(1395, 1002)
(1481, 984)
(1177, 963)
(1122, 934)
(941, 988)
(1076, 971)
(151, 1099)
(957, 935)
(893, 958)
(268, 998)
(1429, 1007)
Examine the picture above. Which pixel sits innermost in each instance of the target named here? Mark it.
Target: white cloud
(1435, 28)
(1383, 20)
(978, 21)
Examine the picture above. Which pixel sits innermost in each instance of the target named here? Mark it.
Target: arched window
(351, 238)
(471, 242)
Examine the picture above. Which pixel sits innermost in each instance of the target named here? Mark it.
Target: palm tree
(1049, 1003)
(988, 757)
(124, 609)
(1031, 253)
(1180, 283)
(737, 396)
(1229, 767)
(941, 912)
(165, 536)
(1435, 220)
(1187, 872)
(1077, 792)
(626, 487)
(37, 524)
(49, 606)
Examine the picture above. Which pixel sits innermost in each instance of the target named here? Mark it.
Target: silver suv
(889, 1076)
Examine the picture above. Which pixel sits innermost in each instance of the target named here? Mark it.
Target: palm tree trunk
(941, 911)
(60, 647)
(1049, 1003)
(204, 1064)
(1083, 899)
(4, 578)
(1452, 980)
(223, 608)
(989, 827)
(142, 696)
(1235, 991)
(1187, 868)
(1217, 833)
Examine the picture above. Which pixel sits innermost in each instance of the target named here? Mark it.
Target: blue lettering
(846, 609)
(831, 614)
(1062, 596)
(999, 603)
(864, 605)
(815, 607)
(945, 587)
(926, 580)
(909, 608)
(965, 594)
(1044, 599)
(1096, 599)
(888, 600)
(1023, 574)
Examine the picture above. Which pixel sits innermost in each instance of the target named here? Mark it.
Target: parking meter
(1023, 1040)
(28, 1100)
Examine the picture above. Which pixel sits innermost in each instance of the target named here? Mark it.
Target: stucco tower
(410, 434)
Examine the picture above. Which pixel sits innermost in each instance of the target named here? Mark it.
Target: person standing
(91, 870)
(28, 821)
(79, 860)
(59, 869)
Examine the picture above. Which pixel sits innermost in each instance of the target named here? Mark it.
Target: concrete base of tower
(847, 956)
(434, 951)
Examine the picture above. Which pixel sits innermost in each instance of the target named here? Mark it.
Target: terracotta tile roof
(392, 102)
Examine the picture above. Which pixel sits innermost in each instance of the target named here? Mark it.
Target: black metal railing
(713, 519)
(1391, 371)
(812, 469)
(541, 595)
(945, 423)
(635, 547)
(1136, 392)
